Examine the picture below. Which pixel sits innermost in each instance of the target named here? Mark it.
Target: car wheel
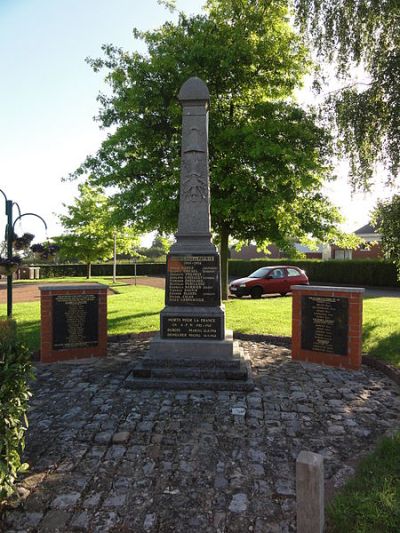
(283, 293)
(256, 292)
(238, 295)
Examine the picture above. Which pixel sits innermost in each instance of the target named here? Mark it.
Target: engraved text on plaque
(324, 324)
(192, 327)
(75, 321)
(193, 280)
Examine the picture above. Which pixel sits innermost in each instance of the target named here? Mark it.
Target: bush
(368, 272)
(80, 270)
(15, 371)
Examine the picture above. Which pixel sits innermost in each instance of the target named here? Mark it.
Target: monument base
(193, 364)
(191, 323)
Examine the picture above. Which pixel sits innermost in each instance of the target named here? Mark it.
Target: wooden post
(310, 492)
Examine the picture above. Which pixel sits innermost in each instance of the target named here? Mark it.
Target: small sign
(191, 327)
(75, 321)
(324, 324)
(193, 280)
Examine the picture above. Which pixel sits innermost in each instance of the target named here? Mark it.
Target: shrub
(15, 371)
(125, 269)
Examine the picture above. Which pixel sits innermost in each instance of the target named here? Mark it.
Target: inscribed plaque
(75, 321)
(193, 280)
(324, 324)
(191, 327)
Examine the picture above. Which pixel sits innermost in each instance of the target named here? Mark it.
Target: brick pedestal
(73, 321)
(327, 325)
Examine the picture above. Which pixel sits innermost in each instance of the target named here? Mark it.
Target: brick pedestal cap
(47, 293)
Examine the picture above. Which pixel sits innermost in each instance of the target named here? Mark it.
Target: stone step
(187, 384)
(191, 373)
(171, 362)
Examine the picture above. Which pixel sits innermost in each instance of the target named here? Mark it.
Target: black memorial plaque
(193, 280)
(192, 327)
(75, 321)
(324, 324)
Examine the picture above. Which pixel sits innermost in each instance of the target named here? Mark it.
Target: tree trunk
(224, 252)
(89, 270)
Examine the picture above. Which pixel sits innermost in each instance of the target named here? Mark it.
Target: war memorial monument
(193, 349)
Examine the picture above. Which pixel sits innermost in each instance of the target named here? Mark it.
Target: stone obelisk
(193, 350)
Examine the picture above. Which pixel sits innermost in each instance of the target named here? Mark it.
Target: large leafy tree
(159, 248)
(90, 228)
(386, 218)
(268, 157)
(364, 34)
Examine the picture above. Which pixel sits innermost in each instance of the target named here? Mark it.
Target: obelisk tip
(194, 89)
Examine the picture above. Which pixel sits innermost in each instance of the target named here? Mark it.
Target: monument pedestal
(193, 350)
(185, 364)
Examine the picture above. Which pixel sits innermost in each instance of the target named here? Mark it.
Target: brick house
(250, 252)
(370, 249)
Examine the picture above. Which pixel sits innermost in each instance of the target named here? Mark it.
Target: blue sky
(48, 97)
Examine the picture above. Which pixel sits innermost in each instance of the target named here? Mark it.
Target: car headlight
(242, 285)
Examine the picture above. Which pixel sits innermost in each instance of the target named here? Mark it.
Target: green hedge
(15, 371)
(368, 272)
(80, 270)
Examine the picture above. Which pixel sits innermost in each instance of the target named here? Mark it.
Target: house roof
(367, 229)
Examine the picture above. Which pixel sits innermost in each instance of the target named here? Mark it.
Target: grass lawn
(370, 502)
(136, 308)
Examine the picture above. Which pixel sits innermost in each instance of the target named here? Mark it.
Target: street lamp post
(9, 236)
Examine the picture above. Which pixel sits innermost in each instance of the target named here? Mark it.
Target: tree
(386, 218)
(361, 33)
(268, 157)
(90, 229)
(159, 248)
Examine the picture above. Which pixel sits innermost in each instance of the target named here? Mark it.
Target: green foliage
(361, 33)
(8, 331)
(370, 502)
(15, 371)
(158, 249)
(386, 218)
(90, 229)
(123, 269)
(365, 273)
(268, 157)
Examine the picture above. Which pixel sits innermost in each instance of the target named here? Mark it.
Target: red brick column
(48, 352)
(350, 299)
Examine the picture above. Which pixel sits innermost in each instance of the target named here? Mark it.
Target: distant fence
(369, 272)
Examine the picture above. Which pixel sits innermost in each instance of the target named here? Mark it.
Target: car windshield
(260, 273)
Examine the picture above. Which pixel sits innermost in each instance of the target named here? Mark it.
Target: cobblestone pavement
(105, 457)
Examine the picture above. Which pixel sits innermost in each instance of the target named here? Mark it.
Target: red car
(268, 280)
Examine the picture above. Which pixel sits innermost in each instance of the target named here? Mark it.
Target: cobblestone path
(105, 457)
